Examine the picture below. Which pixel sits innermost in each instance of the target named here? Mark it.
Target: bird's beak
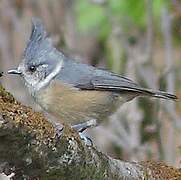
(14, 71)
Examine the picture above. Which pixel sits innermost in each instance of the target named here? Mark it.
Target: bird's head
(41, 62)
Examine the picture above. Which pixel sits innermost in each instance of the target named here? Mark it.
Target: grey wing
(86, 77)
(114, 83)
(108, 83)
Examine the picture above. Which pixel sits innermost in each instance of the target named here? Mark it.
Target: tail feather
(164, 95)
(159, 94)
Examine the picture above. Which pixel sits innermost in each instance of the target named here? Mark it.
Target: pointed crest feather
(38, 42)
(38, 32)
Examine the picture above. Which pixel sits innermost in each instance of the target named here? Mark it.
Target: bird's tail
(159, 94)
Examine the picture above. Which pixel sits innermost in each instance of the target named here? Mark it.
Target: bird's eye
(32, 68)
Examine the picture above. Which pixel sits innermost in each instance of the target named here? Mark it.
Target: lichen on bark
(30, 149)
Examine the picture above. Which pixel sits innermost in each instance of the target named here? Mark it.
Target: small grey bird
(73, 92)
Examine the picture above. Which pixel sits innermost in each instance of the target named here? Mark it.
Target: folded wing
(87, 77)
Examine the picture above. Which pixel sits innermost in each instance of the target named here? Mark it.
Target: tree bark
(30, 149)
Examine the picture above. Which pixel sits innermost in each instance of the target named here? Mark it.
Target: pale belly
(73, 106)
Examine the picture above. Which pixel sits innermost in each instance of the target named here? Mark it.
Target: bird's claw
(82, 127)
(58, 130)
(87, 140)
(79, 127)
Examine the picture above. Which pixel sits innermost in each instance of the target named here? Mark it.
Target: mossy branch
(30, 149)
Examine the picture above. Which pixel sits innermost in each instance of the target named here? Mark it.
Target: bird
(75, 93)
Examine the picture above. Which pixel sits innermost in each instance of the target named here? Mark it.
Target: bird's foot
(86, 125)
(87, 140)
(58, 130)
(82, 127)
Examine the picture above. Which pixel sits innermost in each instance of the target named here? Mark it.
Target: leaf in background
(89, 15)
(129, 11)
(157, 7)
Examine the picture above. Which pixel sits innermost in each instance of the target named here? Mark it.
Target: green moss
(6, 96)
(28, 143)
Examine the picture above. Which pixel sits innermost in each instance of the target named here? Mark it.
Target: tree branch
(30, 149)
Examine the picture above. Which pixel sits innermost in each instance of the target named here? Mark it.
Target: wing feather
(87, 77)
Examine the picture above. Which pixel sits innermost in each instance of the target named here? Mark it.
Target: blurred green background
(139, 39)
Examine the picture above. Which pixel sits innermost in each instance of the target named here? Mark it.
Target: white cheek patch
(30, 82)
(47, 80)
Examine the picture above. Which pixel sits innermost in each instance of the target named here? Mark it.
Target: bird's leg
(56, 124)
(87, 140)
(58, 129)
(86, 125)
(82, 127)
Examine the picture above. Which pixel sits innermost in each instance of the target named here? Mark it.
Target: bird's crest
(38, 43)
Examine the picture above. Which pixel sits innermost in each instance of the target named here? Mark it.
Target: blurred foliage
(176, 31)
(98, 19)
(91, 15)
(88, 14)
(129, 11)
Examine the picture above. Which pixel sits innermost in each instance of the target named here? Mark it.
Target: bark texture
(30, 149)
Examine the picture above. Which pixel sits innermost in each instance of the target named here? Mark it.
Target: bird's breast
(73, 105)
